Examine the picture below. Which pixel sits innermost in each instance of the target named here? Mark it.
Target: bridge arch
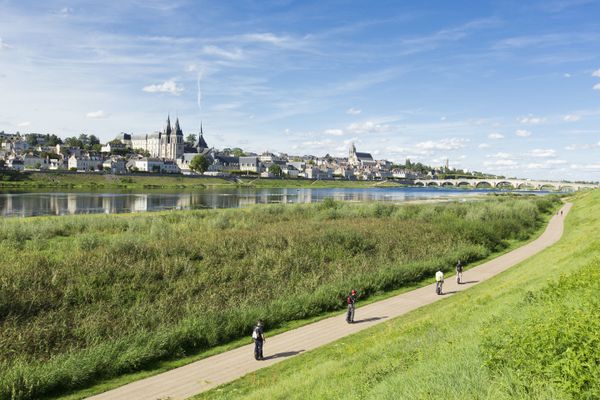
(504, 185)
(483, 185)
(526, 185)
(432, 183)
(447, 183)
(548, 186)
(464, 184)
(419, 183)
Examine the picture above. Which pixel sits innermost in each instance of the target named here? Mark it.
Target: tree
(237, 152)
(199, 164)
(31, 139)
(93, 140)
(73, 142)
(275, 169)
(53, 140)
(190, 139)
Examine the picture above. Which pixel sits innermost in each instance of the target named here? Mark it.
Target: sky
(506, 87)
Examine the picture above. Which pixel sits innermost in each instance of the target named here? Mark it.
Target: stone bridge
(505, 183)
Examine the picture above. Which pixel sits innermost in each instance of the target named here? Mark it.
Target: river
(32, 203)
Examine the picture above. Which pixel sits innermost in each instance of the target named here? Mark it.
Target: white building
(152, 164)
(167, 144)
(250, 164)
(85, 162)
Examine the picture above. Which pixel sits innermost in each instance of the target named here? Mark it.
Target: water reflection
(14, 204)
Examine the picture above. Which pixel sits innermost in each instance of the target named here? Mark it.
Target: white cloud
(535, 166)
(542, 153)
(23, 124)
(353, 111)
(443, 144)
(484, 145)
(556, 162)
(3, 44)
(500, 155)
(235, 54)
(522, 133)
(265, 38)
(334, 132)
(567, 75)
(367, 127)
(169, 86)
(571, 118)
(496, 136)
(66, 11)
(596, 86)
(95, 114)
(596, 73)
(531, 120)
(588, 167)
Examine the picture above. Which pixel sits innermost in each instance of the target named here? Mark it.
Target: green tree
(275, 169)
(53, 140)
(31, 139)
(237, 152)
(190, 139)
(199, 163)
(93, 140)
(73, 142)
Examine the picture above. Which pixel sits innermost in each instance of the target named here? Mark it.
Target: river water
(27, 204)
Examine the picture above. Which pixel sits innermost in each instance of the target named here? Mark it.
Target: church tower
(352, 160)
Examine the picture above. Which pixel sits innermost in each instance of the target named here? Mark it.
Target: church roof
(364, 156)
(201, 143)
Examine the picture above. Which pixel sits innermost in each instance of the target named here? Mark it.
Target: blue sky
(507, 87)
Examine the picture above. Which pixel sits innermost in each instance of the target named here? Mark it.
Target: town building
(167, 144)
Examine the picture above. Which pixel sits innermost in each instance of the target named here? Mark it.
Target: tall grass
(89, 297)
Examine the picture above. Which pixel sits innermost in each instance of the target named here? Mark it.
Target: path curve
(202, 375)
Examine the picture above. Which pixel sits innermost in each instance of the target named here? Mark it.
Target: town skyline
(510, 90)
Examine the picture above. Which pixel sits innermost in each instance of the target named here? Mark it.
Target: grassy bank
(89, 297)
(529, 333)
(34, 180)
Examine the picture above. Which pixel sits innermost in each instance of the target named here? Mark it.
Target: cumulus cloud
(567, 75)
(484, 145)
(443, 144)
(571, 118)
(235, 54)
(66, 11)
(23, 124)
(596, 73)
(596, 86)
(496, 136)
(353, 111)
(169, 86)
(96, 114)
(522, 133)
(367, 127)
(587, 167)
(531, 120)
(542, 153)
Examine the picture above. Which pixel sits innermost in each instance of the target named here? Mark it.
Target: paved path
(210, 372)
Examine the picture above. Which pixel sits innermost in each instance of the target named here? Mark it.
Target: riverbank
(529, 333)
(99, 296)
(97, 181)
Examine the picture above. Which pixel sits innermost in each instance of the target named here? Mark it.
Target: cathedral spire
(168, 128)
(177, 129)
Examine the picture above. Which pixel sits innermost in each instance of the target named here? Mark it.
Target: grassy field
(84, 298)
(532, 332)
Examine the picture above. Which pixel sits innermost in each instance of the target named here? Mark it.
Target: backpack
(255, 333)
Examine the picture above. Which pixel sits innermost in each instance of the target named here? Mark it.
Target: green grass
(33, 180)
(86, 298)
(530, 333)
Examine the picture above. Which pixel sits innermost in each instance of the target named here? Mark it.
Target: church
(168, 143)
(359, 159)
